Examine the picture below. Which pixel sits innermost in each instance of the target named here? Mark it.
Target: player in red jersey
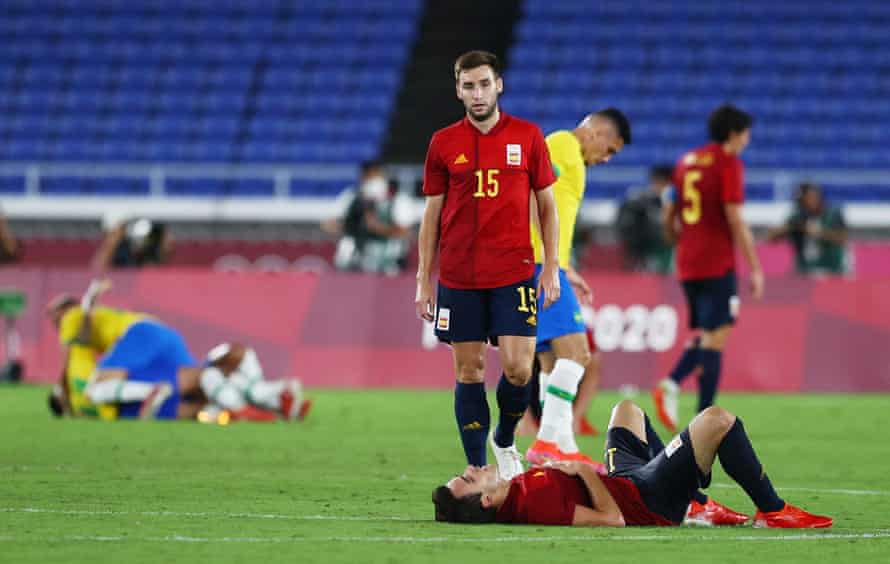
(648, 483)
(704, 218)
(478, 179)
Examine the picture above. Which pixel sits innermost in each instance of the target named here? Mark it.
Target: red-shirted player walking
(704, 217)
(478, 179)
(648, 483)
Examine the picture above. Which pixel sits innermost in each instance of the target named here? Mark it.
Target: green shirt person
(818, 233)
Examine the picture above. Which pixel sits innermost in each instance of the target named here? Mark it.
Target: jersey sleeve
(69, 326)
(540, 166)
(732, 182)
(435, 172)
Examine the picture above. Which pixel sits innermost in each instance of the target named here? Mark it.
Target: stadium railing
(282, 205)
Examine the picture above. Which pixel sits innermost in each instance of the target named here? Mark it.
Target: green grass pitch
(353, 483)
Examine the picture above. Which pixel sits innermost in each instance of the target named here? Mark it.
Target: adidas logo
(532, 320)
(474, 426)
(461, 159)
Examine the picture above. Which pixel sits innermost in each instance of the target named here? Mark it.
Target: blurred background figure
(133, 244)
(817, 232)
(638, 224)
(374, 223)
(9, 247)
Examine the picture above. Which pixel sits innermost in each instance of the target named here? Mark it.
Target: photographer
(817, 232)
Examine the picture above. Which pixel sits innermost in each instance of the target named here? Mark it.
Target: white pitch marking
(438, 540)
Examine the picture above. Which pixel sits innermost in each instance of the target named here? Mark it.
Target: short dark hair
(619, 120)
(665, 171)
(474, 59)
(467, 509)
(727, 119)
(369, 165)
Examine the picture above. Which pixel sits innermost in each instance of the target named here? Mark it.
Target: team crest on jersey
(443, 319)
(514, 154)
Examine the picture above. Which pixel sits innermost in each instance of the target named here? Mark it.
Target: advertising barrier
(353, 330)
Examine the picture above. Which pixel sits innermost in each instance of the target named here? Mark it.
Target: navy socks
(473, 420)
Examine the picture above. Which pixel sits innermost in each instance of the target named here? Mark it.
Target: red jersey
(706, 179)
(484, 239)
(546, 496)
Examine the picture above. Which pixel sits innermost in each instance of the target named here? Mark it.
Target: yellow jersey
(107, 325)
(79, 370)
(568, 191)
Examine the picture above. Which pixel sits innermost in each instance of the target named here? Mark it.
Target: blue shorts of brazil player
(562, 317)
(484, 315)
(713, 302)
(150, 352)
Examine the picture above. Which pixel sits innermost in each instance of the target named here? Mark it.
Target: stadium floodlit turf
(353, 483)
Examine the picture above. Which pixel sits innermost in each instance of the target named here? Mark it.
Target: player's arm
(104, 254)
(743, 239)
(427, 242)
(96, 288)
(605, 511)
(8, 244)
(670, 222)
(549, 222)
(582, 289)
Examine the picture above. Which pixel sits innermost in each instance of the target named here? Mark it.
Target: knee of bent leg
(626, 407)
(518, 373)
(719, 417)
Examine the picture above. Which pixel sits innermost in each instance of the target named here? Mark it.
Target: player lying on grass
(145, 368)
(647, 483)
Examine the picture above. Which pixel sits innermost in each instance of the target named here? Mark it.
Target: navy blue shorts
(713, 302)
(667, 480)
(486, 314)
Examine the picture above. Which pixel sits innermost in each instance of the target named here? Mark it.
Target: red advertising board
(350, 330)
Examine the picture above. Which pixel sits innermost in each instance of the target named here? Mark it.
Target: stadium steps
(426, 101)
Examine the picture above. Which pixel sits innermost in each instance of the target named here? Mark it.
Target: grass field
(352, 484)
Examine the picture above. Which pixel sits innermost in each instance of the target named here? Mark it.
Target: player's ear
(487, 501)
(499, 84)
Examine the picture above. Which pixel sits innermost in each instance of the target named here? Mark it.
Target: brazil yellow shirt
(568, 164)
(79, 370)
(107, 325)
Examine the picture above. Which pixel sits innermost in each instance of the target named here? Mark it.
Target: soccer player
(562, 347)
(145, 366)
(478, 178)
(648, 483)
(704, 218)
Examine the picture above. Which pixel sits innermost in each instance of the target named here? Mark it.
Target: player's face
(602, 142)
(479, 89)
(739, 140)
(473, 480)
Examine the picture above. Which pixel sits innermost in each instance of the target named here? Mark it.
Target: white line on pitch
(206, 514)
(452, 539)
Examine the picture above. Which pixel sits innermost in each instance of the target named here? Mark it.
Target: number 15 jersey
(706, 179)
(486, 178)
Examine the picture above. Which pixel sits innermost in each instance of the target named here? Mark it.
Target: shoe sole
(661, 412)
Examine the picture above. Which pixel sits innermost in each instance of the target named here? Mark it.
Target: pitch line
(452, 539)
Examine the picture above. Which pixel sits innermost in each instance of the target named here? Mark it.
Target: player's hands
(585, 294)
(568, 467)
(757, 284)
(548, 283)
(423, 299)
(97, 287)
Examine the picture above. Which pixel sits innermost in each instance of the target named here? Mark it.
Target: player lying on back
(145, 368)
(645, 486)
